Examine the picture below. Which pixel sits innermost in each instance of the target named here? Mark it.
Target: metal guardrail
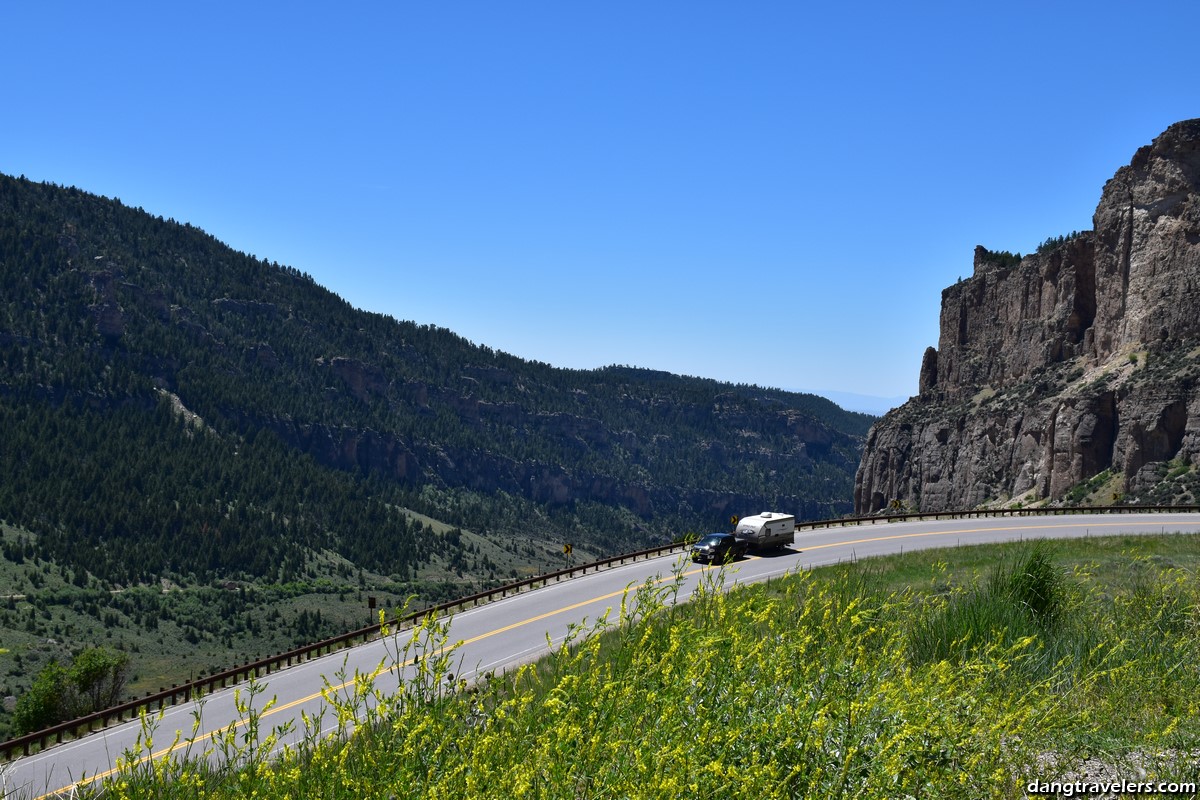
(998, 512)
(39, 740)
(25, 745)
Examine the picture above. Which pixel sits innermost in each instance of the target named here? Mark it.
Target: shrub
(1022, 598)
(94, 680)
(1032, 583)
(1002, 258)
(1054, 241)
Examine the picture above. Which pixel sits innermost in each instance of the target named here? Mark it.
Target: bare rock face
(1066, 375)
(363, 380)
(110, 322)
(1148, 245)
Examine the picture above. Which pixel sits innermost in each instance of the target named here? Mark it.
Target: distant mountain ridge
(862, 403)
(143, 365)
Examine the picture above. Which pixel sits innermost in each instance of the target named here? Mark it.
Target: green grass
(180, 629)
(828, 684)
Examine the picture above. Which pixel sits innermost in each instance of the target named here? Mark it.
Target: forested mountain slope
(169, 405)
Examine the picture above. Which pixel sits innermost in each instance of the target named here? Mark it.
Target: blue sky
(771, 192)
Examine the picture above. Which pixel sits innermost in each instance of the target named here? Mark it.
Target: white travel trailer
(767, 530)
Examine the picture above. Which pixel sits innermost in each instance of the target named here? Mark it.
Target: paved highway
(505, 633)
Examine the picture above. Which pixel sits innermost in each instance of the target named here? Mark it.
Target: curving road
(523, 627)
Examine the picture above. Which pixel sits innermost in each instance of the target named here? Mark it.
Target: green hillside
(186, 427)
(171, 404)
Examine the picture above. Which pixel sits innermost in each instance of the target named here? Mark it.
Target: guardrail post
(196, 688)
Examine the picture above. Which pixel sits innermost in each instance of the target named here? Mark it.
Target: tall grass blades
(829, 686)
(1023, 599)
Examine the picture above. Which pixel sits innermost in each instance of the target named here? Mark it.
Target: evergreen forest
(176, 412)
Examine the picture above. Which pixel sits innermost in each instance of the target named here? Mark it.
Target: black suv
(718, 548)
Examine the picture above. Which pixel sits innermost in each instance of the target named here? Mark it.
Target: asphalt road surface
(518, 629)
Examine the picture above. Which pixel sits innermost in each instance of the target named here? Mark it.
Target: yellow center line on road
(178, 744)
(277, 709)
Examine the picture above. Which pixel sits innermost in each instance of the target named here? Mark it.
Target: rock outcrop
(1069, 375)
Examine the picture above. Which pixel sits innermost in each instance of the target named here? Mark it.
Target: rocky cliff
(1069, 375)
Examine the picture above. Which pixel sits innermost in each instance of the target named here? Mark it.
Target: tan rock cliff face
(1071, 375)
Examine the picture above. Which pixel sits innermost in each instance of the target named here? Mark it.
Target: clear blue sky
(760, 192)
